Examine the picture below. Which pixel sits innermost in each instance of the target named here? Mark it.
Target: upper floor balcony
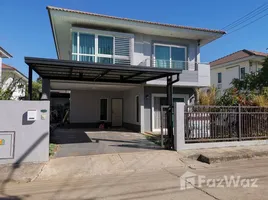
(120, 48)
(193, 73)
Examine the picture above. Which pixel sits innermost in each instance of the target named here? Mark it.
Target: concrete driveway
(81, 142)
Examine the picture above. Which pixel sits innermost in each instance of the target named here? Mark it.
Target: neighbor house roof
(4, 53)
(5, 66)
(135, 20)
(236, 56)
(10, 68)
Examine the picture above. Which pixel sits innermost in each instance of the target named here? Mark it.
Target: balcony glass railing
(175, 64)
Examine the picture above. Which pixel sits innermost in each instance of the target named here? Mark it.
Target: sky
(25, 27)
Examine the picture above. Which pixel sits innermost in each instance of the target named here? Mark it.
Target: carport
(68, 70)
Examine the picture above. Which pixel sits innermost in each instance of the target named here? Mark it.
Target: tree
(253, 82)
(9, 85)
(36, 89)
(207, 97)
(251, 91)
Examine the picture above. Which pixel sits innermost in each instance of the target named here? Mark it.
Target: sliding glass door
(169, 56)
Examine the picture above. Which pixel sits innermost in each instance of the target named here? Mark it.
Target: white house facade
(119, 46)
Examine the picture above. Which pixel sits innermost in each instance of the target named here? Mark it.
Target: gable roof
(4, 53)
(236, 56)
(135, 20)
(5, 66)
(10, 68)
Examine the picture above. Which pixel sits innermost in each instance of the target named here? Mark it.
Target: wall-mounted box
(7, 141)
(31, 115)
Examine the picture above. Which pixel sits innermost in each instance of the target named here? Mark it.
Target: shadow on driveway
(81, 142)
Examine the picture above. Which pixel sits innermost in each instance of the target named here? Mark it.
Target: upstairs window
(169, 56)
(242, 73)
(219, 78)
(100, 48)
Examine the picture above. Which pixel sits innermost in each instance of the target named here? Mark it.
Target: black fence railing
(225, 123)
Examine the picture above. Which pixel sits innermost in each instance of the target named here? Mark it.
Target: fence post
(179, 132)
(239, 122)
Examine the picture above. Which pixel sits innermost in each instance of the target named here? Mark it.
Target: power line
(246, 19)
(242, 18)
(248, 24)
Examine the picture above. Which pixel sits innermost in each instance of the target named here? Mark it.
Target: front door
(117, 112)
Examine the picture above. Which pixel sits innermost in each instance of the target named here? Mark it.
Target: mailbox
(31, 115)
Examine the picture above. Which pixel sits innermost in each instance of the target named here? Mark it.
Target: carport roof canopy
(85, 71)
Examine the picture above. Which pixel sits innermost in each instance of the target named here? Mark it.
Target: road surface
(155, 184)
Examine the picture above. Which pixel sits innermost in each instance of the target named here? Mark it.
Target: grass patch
(154, 138)
(52, 149)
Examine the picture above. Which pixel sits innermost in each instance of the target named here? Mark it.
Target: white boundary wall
(23, 140)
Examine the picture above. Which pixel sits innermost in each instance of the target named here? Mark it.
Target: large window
(103, 109)
(100, 48)
(169, 56)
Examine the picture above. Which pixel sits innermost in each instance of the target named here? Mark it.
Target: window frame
(98, 33)
(240, 73)
(137, 114)
(170, 53)
(219, 82)
(106, 109)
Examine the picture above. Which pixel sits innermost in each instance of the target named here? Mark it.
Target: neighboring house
(3, 54)
(98, 55)
(235, 65)
(11, 76)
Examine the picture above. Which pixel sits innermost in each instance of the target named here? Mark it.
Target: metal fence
(225, 123)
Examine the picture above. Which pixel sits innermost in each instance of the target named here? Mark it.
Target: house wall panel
(129, 118)
(85, 105)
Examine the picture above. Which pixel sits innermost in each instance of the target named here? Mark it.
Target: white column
(179, 134)
(141, 98)
(131, 51)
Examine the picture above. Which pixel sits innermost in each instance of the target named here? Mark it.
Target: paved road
(159, 184)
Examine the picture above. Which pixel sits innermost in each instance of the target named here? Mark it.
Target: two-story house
(116, 68)
(235, 65)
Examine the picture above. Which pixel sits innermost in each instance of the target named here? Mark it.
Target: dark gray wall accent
(31, 138)
(148, 91)
(132, 127)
